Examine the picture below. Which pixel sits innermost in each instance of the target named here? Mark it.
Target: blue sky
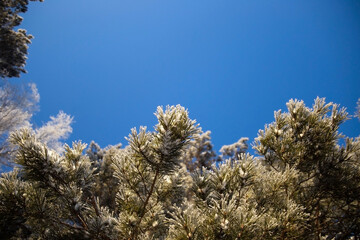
(231, 63)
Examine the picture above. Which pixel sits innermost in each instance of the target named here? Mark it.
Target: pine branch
(96, 207)
(143, 211)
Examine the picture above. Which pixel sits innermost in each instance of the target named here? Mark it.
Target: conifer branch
(143, 211)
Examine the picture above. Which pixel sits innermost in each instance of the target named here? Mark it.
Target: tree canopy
(18, 102)
(13, 42)
(169, 184)
(302, 183)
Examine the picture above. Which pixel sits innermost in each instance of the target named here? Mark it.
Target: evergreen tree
(307, 141)
(13, 42)
(18, 102)
(16, 108)
(169, 183)
(303, 185)
(199, 152)
(56, 195)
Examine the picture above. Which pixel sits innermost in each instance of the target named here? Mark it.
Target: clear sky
(231, 63)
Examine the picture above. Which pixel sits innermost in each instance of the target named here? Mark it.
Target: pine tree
(13, 43)
(57, 194)
(199, 152)
(18, 102)
(307, 141)
(16, 108)
(304, 183)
